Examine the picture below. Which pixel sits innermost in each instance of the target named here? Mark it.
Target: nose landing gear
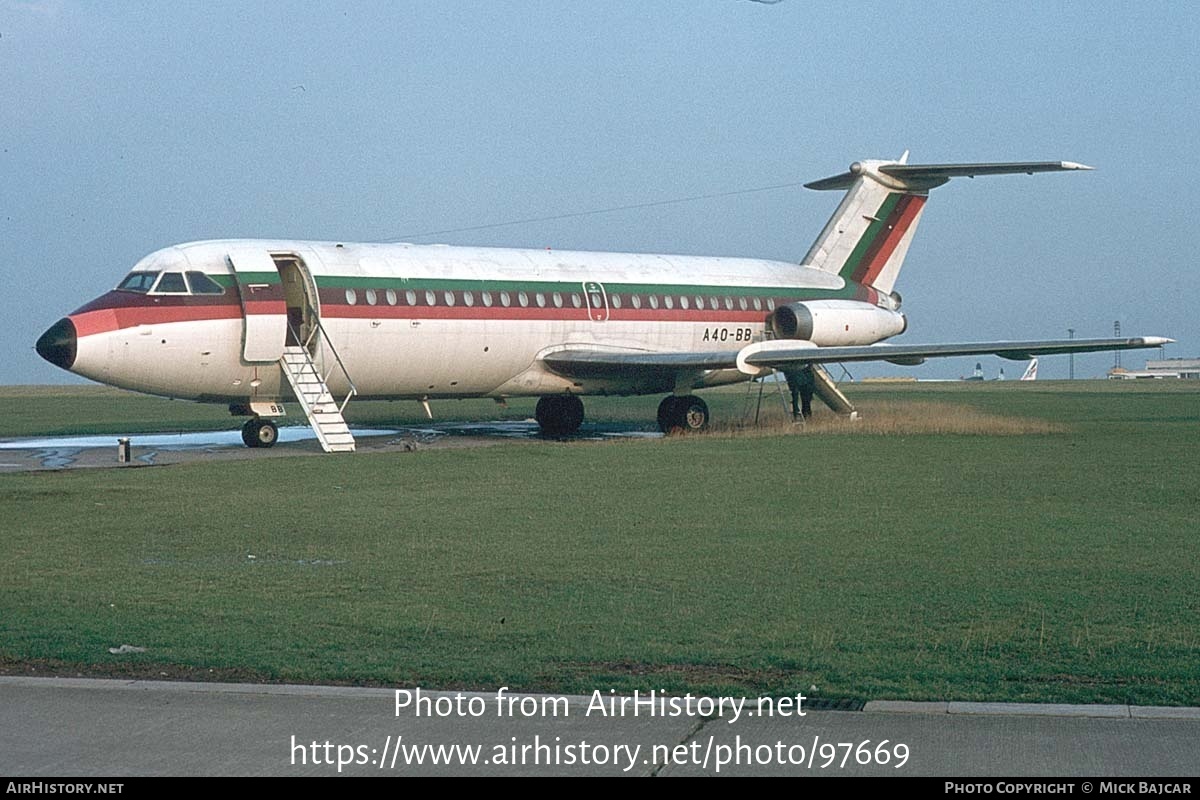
(259, 432)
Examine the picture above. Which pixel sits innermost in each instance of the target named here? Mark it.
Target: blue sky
(127, 127)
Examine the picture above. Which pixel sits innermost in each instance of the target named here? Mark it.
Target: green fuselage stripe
(878, 227)
(334, 282)
(850, 290)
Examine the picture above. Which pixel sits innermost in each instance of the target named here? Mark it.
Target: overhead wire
(609, 210)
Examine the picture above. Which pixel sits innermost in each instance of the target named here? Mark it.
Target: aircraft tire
(667, 415)
(688, 414)
(559, 415)
(258, 432)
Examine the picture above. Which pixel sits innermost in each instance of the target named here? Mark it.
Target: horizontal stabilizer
(868, 236)
(930, 175)
(927, 171)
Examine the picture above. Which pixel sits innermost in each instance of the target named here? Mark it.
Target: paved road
(83, 727)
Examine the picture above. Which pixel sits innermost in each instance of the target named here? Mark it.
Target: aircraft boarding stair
(322, 410)
(825, 388)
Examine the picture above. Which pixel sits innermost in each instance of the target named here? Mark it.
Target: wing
(783, 354)
(787, 354)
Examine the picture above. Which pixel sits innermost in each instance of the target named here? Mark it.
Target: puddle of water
(169, 441)
(57, 458)
(62, 451)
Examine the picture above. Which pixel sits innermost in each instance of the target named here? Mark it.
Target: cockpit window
(138, 282)
(202, 284)
(171, 283)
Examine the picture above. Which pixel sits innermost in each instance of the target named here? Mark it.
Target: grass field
(999, 541)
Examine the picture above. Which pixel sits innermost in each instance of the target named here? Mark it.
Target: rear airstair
(827, 389)
(823, 386)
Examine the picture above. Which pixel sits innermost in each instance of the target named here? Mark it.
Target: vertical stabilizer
(867, 238)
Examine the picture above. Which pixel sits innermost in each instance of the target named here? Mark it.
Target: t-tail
(866, 239)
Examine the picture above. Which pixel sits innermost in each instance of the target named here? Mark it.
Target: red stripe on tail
(899, 221)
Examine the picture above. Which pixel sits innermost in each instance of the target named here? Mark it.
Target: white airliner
(253, 323)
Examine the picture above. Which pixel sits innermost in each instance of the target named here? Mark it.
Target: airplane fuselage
(430, 321)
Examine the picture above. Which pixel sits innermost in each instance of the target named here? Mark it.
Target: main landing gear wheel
(682, 414)
(259, 432)
(559, 415)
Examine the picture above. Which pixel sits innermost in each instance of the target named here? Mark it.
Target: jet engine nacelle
(832, 323)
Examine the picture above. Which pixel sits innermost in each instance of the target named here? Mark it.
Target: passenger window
(202, 284)
(171, 283)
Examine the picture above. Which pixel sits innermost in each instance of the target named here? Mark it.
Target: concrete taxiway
(65, 727)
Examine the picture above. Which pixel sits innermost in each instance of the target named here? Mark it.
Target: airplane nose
(57, 345)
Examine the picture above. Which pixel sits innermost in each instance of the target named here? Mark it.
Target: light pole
(1071, 374)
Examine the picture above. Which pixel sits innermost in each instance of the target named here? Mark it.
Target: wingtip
(1074, 165)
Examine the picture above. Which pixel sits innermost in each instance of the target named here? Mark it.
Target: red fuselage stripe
(104, 320)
